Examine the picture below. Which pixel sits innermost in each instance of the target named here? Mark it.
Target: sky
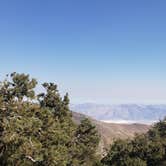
(101, 51)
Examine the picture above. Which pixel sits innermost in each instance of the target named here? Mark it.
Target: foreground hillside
(146, 148)
(110, 131)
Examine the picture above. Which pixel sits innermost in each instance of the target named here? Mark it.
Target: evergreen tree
(41, 133)
(86, 140)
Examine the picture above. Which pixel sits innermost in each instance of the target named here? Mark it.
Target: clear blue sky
(105, 51)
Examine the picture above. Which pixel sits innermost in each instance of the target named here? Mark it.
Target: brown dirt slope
(111, 131)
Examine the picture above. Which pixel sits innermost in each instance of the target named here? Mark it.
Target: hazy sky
(104, 51)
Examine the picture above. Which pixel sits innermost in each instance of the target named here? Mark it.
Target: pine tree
(87, 140)
(41, 133)
(32, 134)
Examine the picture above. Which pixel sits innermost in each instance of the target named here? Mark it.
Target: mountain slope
(109, 131)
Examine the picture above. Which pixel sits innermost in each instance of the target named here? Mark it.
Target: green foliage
(144, 150)
(37, 129)
(41, 133)
(86, 142)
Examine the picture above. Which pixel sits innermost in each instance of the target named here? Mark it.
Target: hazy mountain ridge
(124, 112)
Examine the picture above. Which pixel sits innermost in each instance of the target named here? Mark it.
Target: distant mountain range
(124, 113)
